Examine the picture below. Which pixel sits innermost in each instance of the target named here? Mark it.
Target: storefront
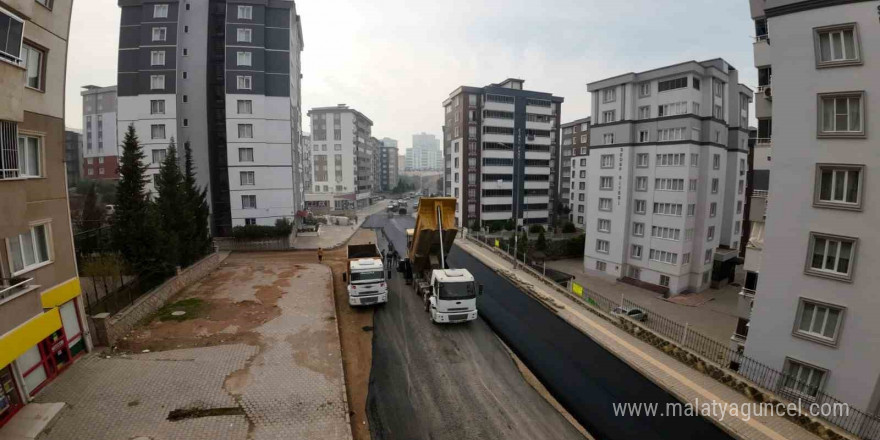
(44, 361)
(10, 397)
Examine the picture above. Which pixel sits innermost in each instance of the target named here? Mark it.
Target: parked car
(632, 312)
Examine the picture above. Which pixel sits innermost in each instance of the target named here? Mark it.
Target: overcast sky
(397, 60)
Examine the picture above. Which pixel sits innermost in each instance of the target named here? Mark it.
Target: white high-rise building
(666, 175)
(100, 149)
(342, 172)
(236, 105)
(815, 314)
(425, 153)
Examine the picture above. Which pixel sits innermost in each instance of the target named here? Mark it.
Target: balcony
(11, 287)
(748, 293)
(762, 51)
(763, 142)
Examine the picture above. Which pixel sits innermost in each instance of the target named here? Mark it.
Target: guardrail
(11, 286)
(855, 421)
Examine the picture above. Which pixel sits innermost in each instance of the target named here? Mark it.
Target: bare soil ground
(221, 320)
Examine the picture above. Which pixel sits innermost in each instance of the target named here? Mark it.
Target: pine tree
(171, 208)
(133, 230)
(92, 215)
(541, 244)
(197, 237)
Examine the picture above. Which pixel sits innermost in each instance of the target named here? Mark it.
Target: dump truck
(365, 275)
(449, 294)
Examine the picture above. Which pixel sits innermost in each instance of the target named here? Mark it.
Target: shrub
(569, 228)
(509, 225)
(541, 244)
(283, 227)
(534, 229)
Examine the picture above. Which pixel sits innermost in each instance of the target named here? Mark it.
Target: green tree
(541, 243)
(510, 224)
(134, 231)
(171, 208)
(92, 216)
(197, 236)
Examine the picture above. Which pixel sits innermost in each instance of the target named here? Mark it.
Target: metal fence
(253, 244)
(112, 293)
(846, 417)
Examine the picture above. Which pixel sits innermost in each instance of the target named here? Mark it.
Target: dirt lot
(212, 320)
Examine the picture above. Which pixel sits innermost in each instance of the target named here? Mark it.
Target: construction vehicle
(450, 295)
(365, 275)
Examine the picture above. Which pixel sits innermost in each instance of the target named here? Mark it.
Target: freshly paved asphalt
(431, 382)
(447, 382)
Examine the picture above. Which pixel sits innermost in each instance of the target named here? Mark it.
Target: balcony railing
(760, 193)
(12, 286)
(760, 38)
(750, 293)
(763, 141)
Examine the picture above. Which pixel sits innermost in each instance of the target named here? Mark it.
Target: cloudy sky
(397, 60)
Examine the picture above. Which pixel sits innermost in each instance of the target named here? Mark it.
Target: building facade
(425, 154)
(341, 159)
(375, 147)
(666, 174)
(497, 145)
(388, 156)
(573, 148)
(100, 152)
(42, 325)
(72, 157)
(306, 160)
(235, 105)
(815, 297)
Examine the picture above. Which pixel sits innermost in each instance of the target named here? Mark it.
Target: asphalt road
(585, 378)
(447, 382)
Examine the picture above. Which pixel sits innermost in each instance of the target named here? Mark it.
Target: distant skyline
(396, 60)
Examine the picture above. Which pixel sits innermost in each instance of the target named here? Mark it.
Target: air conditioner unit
(768, 92)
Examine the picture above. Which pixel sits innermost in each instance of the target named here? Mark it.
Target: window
(737, 228)
(32, 59)
(602, 246)
(638, 229)
(245, 131)
(692, 185)
(838, 186)
(243, 82)
(802, 379)
(686, 258)
(841, 114)
(670, 160)
(676, 108)
(644, 89)
(250, 221)
(160, 11)
(636, 252)
(248, 202)
(30, 157)
(707, 258)
(157, 58)
(604, 225)
(607, 161)
(157, 82)
(695, 159)
(670, 134)
(11, 31)
(639, 206)
(604, 204)
(609, 95)
(696, 83)
(157, 106)
(641, 183)
(715, 185)
(642, 160)
(668, 184)
(695, 109)
(645, 112)
(667, 209)
(713, 209)
(160, 33)
(818, 321)
(159, 155)
(243, 58)
(837, 45)
(664, 280)
(663, 256)
(245, 106)
(740, 186)
(247, 177)
(677, 83)
(608, 116)
(31, 249)
(46, 3)
(831, 256)
(710, 234)
(244, 35)
(185, 122)
(608, 138)
(739, 207)
(718, 88)
(157, 131)
(643, 136)
(666, 233)
(245, 154)
(246, 12)
(606, 182)
(600, 265)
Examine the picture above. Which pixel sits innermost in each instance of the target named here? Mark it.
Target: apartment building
(666, 175)
(341, 159)
(222, 78)
(100, 153)
(499, 143)
(306, 160)
(574, 149)
(814, 314)
(72, 157)
(388, 156)
(375, 145)
(425, 154)
(42, 326)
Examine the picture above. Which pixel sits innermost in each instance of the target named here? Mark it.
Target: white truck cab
(454, 297)
(365, 276)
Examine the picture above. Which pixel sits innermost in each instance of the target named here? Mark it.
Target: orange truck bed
(424, 244)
